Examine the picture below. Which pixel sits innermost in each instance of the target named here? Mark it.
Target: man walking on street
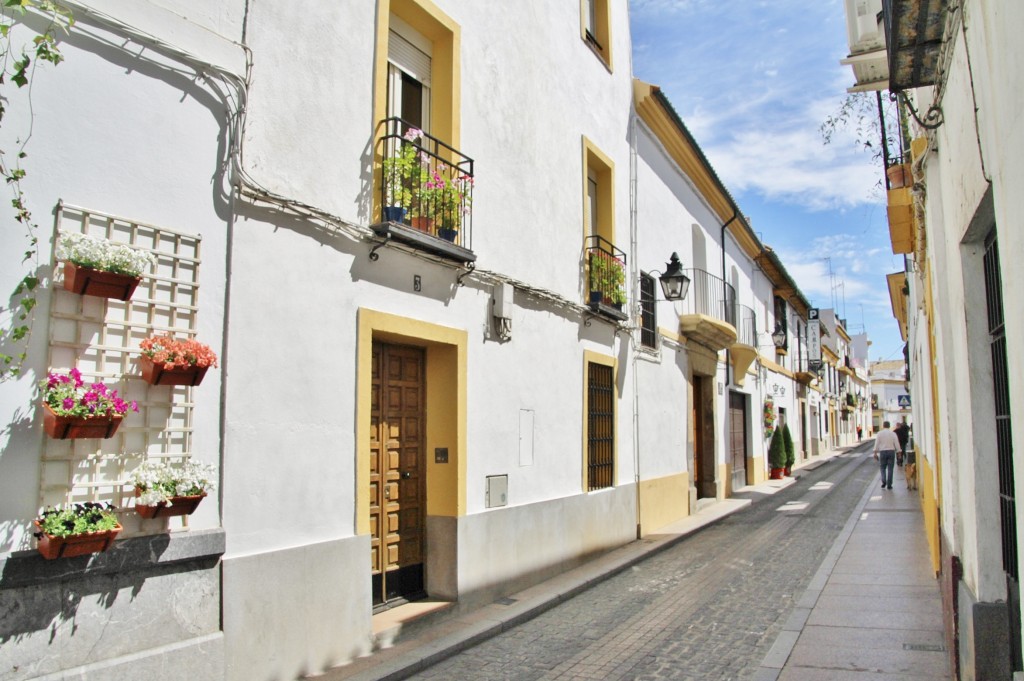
(903, 435)
(886, 444)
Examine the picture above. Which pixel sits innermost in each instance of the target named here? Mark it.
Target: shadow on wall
(39, 596)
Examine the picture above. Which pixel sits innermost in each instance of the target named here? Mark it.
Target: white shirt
(886, 440)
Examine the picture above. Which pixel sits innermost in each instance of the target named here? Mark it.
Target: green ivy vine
(16, 66)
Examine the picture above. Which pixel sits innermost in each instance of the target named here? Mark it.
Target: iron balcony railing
(426, 184)
(606, 276)
(746, 328)
(711, 296)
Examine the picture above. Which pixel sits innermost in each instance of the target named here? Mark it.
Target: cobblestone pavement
(708, 608)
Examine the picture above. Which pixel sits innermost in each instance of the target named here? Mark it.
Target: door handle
(387, 491)
(406, 475)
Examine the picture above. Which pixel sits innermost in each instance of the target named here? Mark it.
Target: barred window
(648, 317)
(600, 426)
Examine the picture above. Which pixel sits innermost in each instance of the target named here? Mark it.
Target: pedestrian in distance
(860, 433)
(903, 435)
(886, 446)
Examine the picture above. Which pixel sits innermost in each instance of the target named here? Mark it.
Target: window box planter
(176, 506)
(157, 374)
(61, 427)
(51, 547)
(89, 282)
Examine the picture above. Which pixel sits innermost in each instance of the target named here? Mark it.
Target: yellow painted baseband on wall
(724, 476)
(929, 507)
(757, 466)
(663, 501)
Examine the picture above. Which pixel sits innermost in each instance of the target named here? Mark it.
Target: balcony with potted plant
(426, 193)
(606, 278)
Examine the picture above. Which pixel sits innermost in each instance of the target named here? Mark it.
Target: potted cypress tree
(777, 455)
(787, 440)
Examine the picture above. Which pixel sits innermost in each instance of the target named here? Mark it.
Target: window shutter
(409, 58)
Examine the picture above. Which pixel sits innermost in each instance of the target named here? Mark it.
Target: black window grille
(600, 426)
(1001, 389)
(648, 316)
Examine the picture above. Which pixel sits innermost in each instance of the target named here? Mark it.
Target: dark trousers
(886, 459)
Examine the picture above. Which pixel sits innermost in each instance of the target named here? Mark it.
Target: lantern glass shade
(674, 284)
(779, 337)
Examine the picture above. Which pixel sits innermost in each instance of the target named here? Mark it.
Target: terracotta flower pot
(177, 506)
(156, 374)
(423, 224)
(89, 282)
(78, 428)
(52, 547)
(900, 175)
(778, 473)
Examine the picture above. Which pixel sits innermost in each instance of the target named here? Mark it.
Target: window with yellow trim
(598, 209)
(595, 25)
(600, 426)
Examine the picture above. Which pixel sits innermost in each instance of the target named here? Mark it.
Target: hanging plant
(769, 417)
(16, 320)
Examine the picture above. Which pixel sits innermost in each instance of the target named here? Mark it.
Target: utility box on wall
(497, 491)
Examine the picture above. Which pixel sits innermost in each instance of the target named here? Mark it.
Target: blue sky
(753, 80)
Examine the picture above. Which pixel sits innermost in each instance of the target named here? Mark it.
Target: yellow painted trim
(445, 71)
(671, 335)
(446, 381)
(603, 166)
(936, 428)
(589, 356)
(825, 350)
(664, 500)
(725, 478)
(757, 466)
(900, 210)
(929, 508)
(689, 159)
(602, 8)
(777, 368)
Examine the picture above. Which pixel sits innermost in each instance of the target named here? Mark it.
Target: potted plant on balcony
(175, 361)
(74, 410)
(607, 280)
(99, 267)
(165, 490)
(449, 199)
(787, 441)
(403, 172)
(777, 455)
(76, 530)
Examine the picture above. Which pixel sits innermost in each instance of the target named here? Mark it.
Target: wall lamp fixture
(674, 284)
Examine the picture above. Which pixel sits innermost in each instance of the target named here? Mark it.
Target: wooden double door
(397, 473)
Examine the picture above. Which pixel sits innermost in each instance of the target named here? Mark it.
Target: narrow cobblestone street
(710, 607)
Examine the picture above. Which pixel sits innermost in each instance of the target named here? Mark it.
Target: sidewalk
(873, 610)
(429, 645)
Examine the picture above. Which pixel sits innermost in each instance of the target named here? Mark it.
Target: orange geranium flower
(178, 353)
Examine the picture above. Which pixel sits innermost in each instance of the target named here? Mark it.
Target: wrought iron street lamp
(674, 284)
(779, 336)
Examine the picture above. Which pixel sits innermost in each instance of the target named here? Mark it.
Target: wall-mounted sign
(903, 400)
(813, 336)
